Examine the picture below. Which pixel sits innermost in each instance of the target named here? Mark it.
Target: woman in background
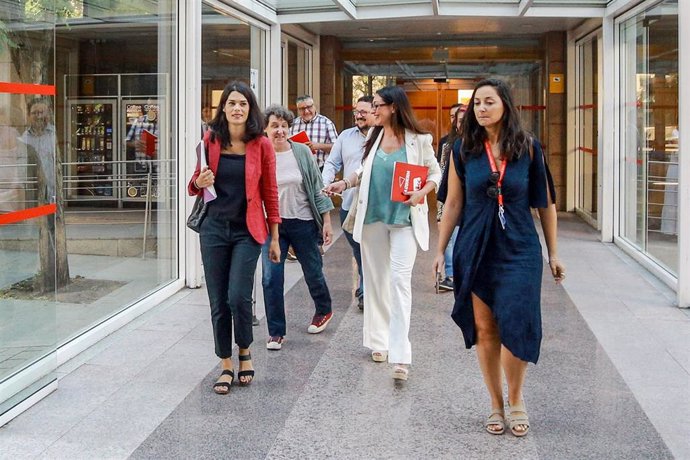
(242, 170)
(304, 211)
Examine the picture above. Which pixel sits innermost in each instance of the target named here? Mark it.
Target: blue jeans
(303, 236)
(356, 251)
(229, 254)
(448, 253)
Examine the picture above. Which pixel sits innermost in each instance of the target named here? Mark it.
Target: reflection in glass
(587, 133)
(232, 49)
(106, 247)
(649, 123)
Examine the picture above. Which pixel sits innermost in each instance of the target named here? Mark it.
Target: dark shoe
(291, 255)
(246, 373)
(275, 343)
(447, 284)
(223, 388)
(319, 323)
(360, 303)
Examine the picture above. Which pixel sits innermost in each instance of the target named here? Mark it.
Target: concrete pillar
(555, 132)
(331, 90)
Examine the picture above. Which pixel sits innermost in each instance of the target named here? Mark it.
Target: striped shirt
(320, 130)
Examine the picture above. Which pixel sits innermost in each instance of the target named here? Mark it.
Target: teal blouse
(380, 207)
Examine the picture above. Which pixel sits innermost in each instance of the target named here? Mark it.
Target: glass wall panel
(232, 49)
(109, 165)
(32, 224)
(649, 132)
(587, 128)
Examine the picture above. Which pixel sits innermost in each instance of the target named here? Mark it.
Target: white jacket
(420, 152)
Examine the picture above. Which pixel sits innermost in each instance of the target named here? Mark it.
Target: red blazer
(261, 186)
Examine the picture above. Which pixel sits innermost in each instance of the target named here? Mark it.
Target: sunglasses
(493, 190)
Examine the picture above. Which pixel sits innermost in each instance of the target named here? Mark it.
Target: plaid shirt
(320, 130)
(142, 123)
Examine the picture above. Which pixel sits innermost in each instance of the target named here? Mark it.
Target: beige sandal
(518, 417)
(400, 372)
(379, 356)
(497, 421)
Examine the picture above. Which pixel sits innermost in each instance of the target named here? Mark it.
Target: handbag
(349, 222)
(196, 217)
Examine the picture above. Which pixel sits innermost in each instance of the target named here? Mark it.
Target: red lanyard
(502, 174)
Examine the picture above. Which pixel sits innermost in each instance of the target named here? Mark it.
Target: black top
(231, 204)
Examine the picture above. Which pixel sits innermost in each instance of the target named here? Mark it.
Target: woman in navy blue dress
(500, 173)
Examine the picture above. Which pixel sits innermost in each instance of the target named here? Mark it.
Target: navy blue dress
(502, 267)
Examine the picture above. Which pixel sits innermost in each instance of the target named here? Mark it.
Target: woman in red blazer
(241, 168)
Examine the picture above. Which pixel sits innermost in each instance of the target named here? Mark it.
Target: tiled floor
(612, 381)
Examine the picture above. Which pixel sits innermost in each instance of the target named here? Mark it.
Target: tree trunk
(52, 242)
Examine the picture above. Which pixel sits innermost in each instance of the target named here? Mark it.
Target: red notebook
(407, 178)
(300, 137)
(149, 140)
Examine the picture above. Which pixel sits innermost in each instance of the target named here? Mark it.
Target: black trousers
(229, 254)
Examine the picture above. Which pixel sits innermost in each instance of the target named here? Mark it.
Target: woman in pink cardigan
(242, 170)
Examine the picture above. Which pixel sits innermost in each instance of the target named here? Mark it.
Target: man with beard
(347, 154)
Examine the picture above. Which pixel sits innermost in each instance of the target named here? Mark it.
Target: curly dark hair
(279, 112)
(255, 121)
(402, 119)
(513, 139)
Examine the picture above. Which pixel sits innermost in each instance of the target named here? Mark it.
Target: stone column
(555, 122)
(331, 90)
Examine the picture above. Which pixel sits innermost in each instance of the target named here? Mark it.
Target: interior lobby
(126, 342)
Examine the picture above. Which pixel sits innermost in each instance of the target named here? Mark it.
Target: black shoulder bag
(196, 217)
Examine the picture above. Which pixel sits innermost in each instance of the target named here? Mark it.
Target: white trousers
(388, 255)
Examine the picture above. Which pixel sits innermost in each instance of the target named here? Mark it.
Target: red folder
(407, 177)
(300, 137)
(149, 140)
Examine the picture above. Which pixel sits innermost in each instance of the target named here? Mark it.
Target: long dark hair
(402, 119)
(513, 139)
(255, 121)
(454, 133)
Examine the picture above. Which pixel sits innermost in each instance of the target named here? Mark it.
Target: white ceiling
(440, 27)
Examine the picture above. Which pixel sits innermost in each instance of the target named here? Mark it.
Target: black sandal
(247, 373)
(223, 388)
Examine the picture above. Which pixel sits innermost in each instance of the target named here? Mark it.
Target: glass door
(649, 132)
(587, 118)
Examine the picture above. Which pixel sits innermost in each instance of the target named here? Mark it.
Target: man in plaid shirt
(147, 120)
(321, 130)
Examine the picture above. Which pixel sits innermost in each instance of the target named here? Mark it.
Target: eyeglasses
(492, 191)
(306, 107)
(375, 107)
(361, 112)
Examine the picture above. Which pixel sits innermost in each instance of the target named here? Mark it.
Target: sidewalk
(612, 381)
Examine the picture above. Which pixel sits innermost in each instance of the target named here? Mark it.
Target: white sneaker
(275, 343)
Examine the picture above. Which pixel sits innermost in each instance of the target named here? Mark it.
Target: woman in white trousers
(390, 231)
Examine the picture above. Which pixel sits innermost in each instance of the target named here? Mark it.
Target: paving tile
(609, 362)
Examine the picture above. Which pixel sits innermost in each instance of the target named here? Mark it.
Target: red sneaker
(319, 323)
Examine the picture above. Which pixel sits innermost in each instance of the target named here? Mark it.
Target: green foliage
(363, 85)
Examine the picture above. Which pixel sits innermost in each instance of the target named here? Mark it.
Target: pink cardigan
(261, 186)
